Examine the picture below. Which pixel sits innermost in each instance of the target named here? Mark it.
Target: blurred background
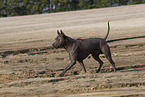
(28, 7)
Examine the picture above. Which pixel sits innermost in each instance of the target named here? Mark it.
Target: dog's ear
(58, 32)
(62, 33)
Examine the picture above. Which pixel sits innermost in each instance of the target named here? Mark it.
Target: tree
(45, 4)
(137, 1)
(27, 7)
(74, 4)
(2, 9)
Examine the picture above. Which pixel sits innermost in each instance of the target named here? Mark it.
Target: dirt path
(128, 81)
(22, 75)
(122, 92)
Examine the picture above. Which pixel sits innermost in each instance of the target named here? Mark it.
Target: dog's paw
(61, 75)
(97, 71)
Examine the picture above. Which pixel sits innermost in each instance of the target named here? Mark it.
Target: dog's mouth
(56, 46)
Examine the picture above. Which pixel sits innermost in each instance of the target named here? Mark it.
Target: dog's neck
(69, 43)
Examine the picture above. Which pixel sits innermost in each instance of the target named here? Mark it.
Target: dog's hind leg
(96, 57)
(108, 56)
(83, 66)
(107, 53)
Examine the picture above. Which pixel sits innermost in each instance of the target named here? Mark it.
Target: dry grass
(31, 66)
(40, 30)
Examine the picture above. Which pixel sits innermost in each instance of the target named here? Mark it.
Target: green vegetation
(27, 7)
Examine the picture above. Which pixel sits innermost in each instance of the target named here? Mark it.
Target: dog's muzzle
(54, 45)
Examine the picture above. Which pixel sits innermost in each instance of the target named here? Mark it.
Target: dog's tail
(108, 31)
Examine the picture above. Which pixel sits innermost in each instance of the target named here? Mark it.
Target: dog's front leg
(73, 53)
(73, 62)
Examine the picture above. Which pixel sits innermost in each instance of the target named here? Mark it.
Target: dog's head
(59, 40)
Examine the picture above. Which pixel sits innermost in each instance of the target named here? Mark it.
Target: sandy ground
(29, 65)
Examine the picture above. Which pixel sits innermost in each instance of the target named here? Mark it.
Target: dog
(79, 49)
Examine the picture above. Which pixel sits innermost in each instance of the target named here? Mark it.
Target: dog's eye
(58, 40)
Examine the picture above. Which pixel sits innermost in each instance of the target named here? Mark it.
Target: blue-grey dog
(79, 49)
